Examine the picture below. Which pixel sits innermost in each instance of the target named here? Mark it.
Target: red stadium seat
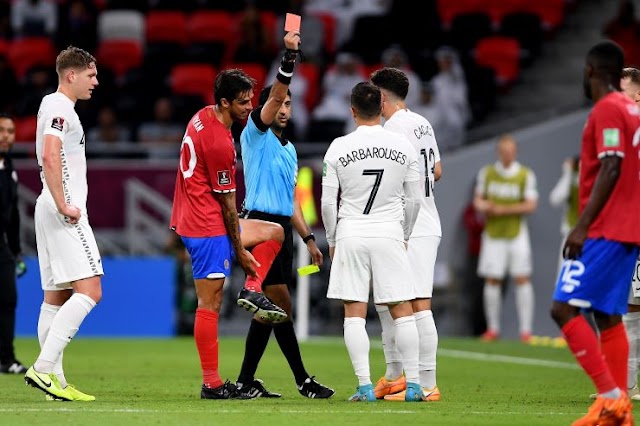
(497, 9)
(502, 54)
(310, 71)
(211, 35)
(166, 26)
(26, 128)
(26, 53)
(193, 79)
(447, 9)
(119, 56)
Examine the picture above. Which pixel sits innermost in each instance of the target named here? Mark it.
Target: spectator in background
(78, 24)
(428, 108)
(506, 192)
(108, 129)
(624, 29)
(450, 89)
(337, 83)
(255, 41)
(39, 83)
(162, 129)
(395, 57)
(34, 18)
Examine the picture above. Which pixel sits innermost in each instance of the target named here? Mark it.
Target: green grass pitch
(157, 382)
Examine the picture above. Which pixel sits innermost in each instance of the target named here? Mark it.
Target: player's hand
(71, 213)
(292, 40)
(496, 210)
(483, 206)
(567, 165)
(316, 254)
(573, 245)
(332, 252)
(248, 263)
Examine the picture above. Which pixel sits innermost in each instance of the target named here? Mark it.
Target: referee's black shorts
(281, 271)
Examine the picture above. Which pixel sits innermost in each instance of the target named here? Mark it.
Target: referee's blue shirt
(270, 169)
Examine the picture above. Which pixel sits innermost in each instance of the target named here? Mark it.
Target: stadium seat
(26, 53)
(166, 35)
(527, 28)
(211, 36)
(448, 10)
(120, 56)
(498, 9)
(467, 28)
(26, 128)
(551, 12)
(121, 25)
(503, 55)
(311, 72)
(193, 79)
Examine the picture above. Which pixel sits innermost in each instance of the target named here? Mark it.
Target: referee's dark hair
(264, 95)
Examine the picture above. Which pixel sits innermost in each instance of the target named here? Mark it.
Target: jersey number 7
(378, 174)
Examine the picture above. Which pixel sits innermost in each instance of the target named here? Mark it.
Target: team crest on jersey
(224, 177)
(57, 123)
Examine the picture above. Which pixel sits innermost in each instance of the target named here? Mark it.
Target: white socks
(357, 341)
(428, 338)
(631, 322)
(492, 306)
(64, 326)
(407, 342)
(525, 304)
(47, 313)
(391, 354)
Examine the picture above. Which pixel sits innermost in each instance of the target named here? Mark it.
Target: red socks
(264, 253)
(205, 332)
(584, 345)
(615, 348)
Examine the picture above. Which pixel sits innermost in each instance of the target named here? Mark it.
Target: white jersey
(420, 133)
(370, 166)
(57, 116)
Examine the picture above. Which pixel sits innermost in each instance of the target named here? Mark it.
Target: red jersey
(207, 166)
(613, 128)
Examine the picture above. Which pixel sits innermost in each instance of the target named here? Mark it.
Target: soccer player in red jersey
(601, 250)
(204, 215)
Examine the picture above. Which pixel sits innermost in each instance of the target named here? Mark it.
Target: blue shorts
(211, 257)
(600, 278)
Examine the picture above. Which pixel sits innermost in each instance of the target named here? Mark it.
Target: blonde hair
(73, 58)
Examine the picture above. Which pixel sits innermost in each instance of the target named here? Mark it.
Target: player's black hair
(392, 80)
(366, 99)
(6, 115)
(264, 94)
(607, 60)
(231, 83)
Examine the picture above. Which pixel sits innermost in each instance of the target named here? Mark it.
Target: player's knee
(276, 232)
(561, 313)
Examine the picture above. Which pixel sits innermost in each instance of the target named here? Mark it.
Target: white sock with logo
(63, 328)
(357, 341)
(391, 355)
(47, 313)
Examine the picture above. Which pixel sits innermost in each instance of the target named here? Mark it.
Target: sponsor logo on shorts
(57, 123)
(226, 264)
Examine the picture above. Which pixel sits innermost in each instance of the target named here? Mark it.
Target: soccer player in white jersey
(376, 173)
(423, 245)
(70, 264)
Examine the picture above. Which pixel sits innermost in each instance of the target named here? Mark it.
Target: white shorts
(66, 252)
(634, 289)
(422, 258)
(499, 257)
(381, 262)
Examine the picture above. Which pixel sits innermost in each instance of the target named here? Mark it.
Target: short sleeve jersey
(613, 128)
(370, 166)
(57, 117)
(207, 166)
(270, 169)
(420, 133)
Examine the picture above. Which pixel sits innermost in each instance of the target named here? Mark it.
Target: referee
(11, 263)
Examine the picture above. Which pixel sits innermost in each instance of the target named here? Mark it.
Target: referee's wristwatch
(309, 238)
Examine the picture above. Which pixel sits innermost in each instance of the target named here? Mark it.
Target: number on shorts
(378, 174)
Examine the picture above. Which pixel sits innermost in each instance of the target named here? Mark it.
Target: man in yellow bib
(506, 192)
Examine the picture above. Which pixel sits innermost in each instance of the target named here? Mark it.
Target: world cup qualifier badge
(57, 123)
(224, 177)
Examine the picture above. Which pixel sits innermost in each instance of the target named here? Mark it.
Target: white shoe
(634, 393)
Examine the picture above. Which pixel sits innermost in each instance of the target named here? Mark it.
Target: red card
(292, 22)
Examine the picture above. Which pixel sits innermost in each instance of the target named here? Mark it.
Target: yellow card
(308, 270)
